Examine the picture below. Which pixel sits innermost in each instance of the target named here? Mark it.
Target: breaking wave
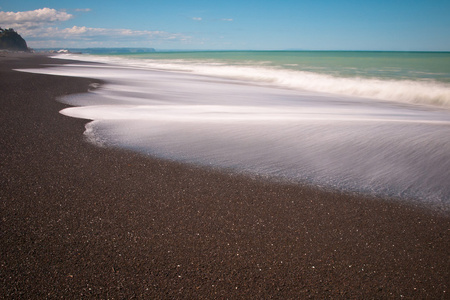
(426, 92)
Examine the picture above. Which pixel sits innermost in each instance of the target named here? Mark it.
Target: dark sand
(78, 221)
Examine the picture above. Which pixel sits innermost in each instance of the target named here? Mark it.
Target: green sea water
(412, 77)
(382, 65)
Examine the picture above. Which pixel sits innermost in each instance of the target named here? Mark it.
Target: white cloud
(196, 18)
(42, 15)
(39, 28)
(77, 32)
(227, 20)
(83, 9)
(24, 21)
(80, 37)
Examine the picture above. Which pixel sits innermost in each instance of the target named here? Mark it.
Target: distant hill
(11, 40)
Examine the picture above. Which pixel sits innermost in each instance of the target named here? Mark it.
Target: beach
(79, 220)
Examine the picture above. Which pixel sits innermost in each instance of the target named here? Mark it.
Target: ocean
(375, 123)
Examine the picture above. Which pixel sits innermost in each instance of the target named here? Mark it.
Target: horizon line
(237, 50)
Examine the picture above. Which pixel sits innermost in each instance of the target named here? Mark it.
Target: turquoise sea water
(415, 77)
(383, 65)
(371, 122)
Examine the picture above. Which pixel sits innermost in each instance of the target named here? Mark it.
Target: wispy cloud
(40, 29)
(81, 36)
(77, 32)
(196, 18)
(83, 9)
(227, 20)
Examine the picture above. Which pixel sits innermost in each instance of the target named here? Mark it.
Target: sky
(398, 25)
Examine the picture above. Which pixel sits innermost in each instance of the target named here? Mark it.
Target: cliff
(11, 40)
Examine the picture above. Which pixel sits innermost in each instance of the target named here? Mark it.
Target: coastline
(78, 220)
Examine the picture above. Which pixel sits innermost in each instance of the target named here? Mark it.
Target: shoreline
(418, 189)
(78, 220)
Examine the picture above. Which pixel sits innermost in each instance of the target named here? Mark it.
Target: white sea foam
(426, 92)
(343, 142)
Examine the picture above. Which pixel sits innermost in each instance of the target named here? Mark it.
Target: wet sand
(79, 221)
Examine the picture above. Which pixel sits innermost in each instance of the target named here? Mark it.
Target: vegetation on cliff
(11, 40)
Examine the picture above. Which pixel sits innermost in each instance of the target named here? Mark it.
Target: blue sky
(411, 25)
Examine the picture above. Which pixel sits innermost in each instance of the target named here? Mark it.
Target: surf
(392, 84)
(341, 142)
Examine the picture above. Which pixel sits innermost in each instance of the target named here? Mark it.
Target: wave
(346, 143)
(426, 92)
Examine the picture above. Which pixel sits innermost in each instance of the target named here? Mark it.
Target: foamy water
(396, 85)
(246, 125)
